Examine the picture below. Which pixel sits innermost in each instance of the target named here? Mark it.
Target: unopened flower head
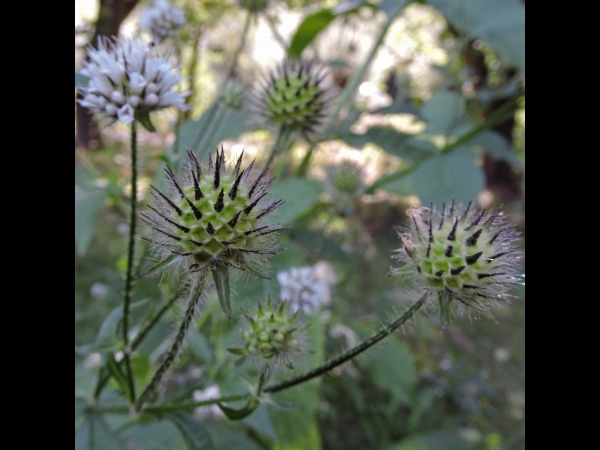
(295, 96)
(214, 215)
(461, 256)
(128, 81)
(306, 288)
(233, 94)
(162, 19)
(273, 332)
(345, 183)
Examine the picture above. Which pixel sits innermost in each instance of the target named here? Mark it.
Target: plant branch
(346, 356)
(195, 295)
(130, 260)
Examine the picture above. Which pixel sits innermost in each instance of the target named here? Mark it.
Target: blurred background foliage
(439, 113)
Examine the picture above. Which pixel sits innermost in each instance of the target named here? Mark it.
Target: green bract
(294, 97)
(214, 217)
(461, 254)
(272, 332)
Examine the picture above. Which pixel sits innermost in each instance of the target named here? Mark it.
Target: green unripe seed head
(462, 254)
(214, 215)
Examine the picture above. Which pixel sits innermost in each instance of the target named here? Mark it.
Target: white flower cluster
(128, 80)
(162, 19)
(307, 288)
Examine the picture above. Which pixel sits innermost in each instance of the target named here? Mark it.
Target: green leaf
(463, 439)
(156, 435)
(239, 414)
(499, 23)
(81, 79)
(308, 30)
(392, 369)
(442, 112)
(300, 195)
(163, 266)
(221, 277)
(88, 202)
(192, 431)
(237, 351)
(199, 345)
(144, 119)
(497, 146)
(94, 434)
(448, 176)
(108, 329)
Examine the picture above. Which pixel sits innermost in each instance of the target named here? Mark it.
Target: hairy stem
(130, 261)
(280, 144)
(346, 356)
(195, 295)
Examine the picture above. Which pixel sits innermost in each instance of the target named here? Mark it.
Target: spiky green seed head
(272, 332)
(461, 256)
(295, 96)
(214, 215)
(233, 94)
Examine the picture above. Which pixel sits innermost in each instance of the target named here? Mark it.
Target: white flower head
(162, 19)
(128, 81)
(307, 288)
(209, 411)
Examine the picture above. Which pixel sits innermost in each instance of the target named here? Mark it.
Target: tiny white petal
(126, 114)
(134, 101)
(137, 82)
(151, 100)
(117, 97)
(111, 109)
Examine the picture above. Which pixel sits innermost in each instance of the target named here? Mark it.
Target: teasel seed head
(273, 333)
(461, 256)
(214, 216)
(295, 97)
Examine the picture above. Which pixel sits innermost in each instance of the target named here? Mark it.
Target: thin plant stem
(240, 47)
(130, 261)
(195, 295)
(104, 376)
(171, 406)
(346, 356)
(280, 143)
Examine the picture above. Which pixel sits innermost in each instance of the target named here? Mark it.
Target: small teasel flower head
(128, 81)
(233, 94)
(162, 19)
(345, 183)
(461, 256)
(273, 332)
(254, 6)
(306, 288)
(295, 96)
(214, 215)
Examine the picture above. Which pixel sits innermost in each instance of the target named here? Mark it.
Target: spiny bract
(214, 216)
(272, 332)
(462, 254)
(294, 96)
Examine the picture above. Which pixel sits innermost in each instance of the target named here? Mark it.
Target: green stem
(240, 47)
(346, 96)
(171, 406)
(346, 356)
(104, 376)
(142, 334)
(499, 116)
(195, 295)
(130, 261)
(280, 143)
